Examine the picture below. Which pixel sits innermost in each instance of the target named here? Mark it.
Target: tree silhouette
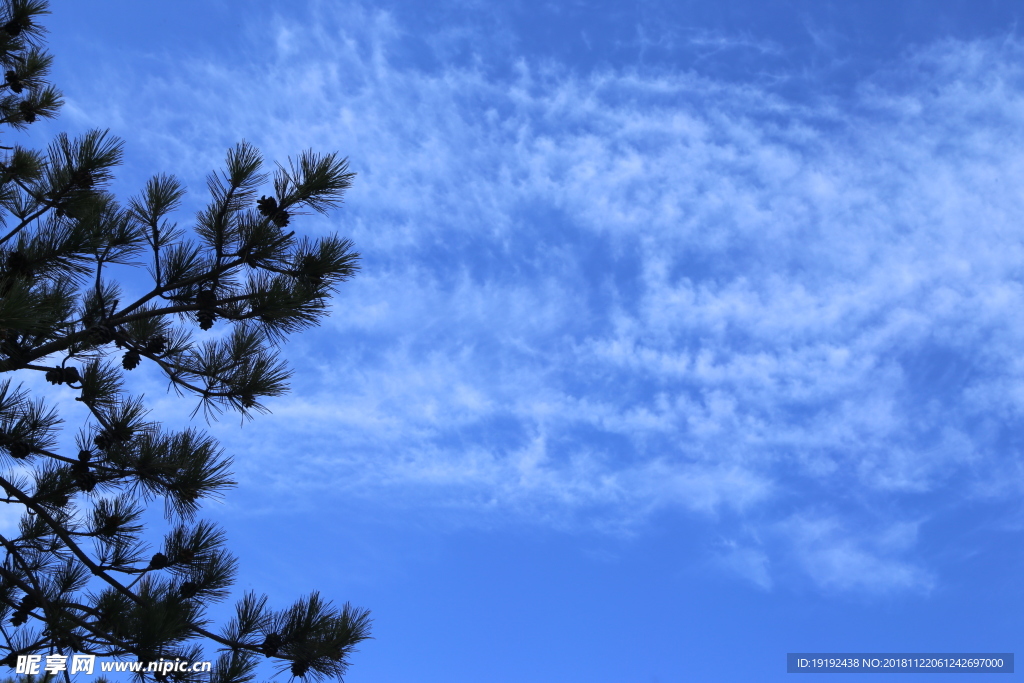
(77, 577)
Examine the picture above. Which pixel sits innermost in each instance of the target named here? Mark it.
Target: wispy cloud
(621, 291)
(841, 558)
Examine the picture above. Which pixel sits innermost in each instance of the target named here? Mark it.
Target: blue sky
(688, 334)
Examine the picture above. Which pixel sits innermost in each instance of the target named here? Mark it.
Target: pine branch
(78, 565)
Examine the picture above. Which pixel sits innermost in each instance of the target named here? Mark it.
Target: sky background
(688, 334)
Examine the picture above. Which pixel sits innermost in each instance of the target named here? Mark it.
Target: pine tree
(77, 576)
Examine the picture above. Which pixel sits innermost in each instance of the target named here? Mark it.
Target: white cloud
(841, 558)
(627, 291)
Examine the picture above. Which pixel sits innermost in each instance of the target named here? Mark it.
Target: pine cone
(83, 179)
(19, 450)
(130, 360)
(100, 334)
(68, 641)
(85, 479)
(206, 319)
(268, 207)
(63, 375)
(116, 434)
(206, 299)
(300, 668)
(280, 218)
(307, 268)
(27, 111)
(13, 81)
(158, 561)
(156, 344)
(14, 27)
(271, 644)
